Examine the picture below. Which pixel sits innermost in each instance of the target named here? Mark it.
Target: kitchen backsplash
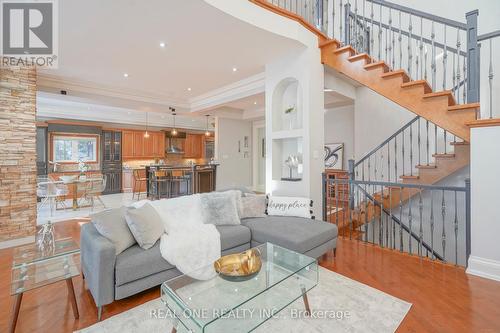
(171, 159)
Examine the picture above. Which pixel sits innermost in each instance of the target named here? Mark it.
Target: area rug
(339, 304)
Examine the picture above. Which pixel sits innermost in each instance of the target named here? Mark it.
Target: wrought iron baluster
(355, 26)
(427, 140)
(369, 168)
(464, 91)
(336, 193)
(420, 229)
(390, 41)
(375, 167)
(410, 221)
(381, 224)
(393, 42)
(445, 141)
(454, 73)
(445, 55)
(432, 225)
(411, 150)
(443, 233)
(433, 60)
(400, 219)
(457, 95)
(400, 41)
(333, 19)
(366, 213)
(380, 33)
(395, 158)
(435, 139)
(456, 229)
(374, 217)
(342, 41)
(418, 142)
(410, 51)
(372, 39)
(421, 48)
(365, 42)
(388, 162)
(403, 152)
(393, 229)
(490, 78)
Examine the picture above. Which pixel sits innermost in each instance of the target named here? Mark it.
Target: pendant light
(207, 132)
(146, 135)
(174, 130)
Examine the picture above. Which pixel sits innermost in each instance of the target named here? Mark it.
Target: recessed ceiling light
(125, 74)
(189, 89)
(162, 44)
(235, 69)
(255, 103)
(327, 90)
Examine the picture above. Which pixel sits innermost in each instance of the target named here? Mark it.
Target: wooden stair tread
(344, 49)
(447, 93)
(443, 155)
(427, 88)
(329, 42)
(399, 72)
(460, 143)
(409, 177)
(360, 56)
(423, 166)
(460, 107)
(377, 64)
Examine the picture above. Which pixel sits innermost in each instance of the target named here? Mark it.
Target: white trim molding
(486, 268)
(247, 87)
(16, 242)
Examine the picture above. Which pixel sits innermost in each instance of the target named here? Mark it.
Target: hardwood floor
(444, 298)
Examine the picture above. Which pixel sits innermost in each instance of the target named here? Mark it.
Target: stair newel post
(472, 57)
(467, 221)
(347, 23)
(351, 195)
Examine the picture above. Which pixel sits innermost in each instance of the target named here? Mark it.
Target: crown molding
(52, 82)
(249, 86)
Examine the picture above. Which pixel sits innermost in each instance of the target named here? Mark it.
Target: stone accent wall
(17, 153)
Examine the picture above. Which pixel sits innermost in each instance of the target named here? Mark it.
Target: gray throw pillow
(111, 223)
(145, 224)
(219, 208)
(243, 189)
(253, 206)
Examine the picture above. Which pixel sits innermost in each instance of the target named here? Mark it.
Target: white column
(485, 199)
(296, 80)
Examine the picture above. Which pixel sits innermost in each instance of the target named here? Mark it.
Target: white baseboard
(487, 268)
(17, 242)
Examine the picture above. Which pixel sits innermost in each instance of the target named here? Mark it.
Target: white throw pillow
(289, 206)
(220, 208)
(145, 224)
(111, 223)
(253, 206)
(178, 212)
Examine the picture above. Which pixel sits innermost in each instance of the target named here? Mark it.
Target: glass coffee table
(33, 268)
(220, 305)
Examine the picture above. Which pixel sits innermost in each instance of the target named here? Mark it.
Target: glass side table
(33, 268)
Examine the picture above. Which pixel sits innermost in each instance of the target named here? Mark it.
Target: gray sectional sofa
(112, 277)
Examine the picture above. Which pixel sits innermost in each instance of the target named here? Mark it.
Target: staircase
(399, 183)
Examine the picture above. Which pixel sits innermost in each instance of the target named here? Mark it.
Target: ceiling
(100, 41)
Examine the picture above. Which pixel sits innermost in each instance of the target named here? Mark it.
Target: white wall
(235, 166)
(339, 127)
(485, 222)
(375, 119)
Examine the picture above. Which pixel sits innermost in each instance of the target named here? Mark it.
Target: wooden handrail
(288, 14)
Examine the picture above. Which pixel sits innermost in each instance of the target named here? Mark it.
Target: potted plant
(290, 116)
(83, 167)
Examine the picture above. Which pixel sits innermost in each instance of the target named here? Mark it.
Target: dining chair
(95, 185)
(159, 180)
(139, 180)
(51, 192)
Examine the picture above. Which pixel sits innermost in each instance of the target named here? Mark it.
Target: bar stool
(139, 179)
(177, 179)
(156, 181)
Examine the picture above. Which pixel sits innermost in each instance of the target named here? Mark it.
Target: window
(72, 149)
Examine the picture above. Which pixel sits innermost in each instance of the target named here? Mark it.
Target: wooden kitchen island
(180, 180)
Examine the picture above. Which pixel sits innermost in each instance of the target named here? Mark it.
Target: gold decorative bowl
(239, 267)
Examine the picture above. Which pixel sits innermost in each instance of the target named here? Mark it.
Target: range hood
(172, 142)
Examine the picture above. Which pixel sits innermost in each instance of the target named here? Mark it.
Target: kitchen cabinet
(193, 146)
(128, 144)
(111, 146)
(135, 145)
(113, 181)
